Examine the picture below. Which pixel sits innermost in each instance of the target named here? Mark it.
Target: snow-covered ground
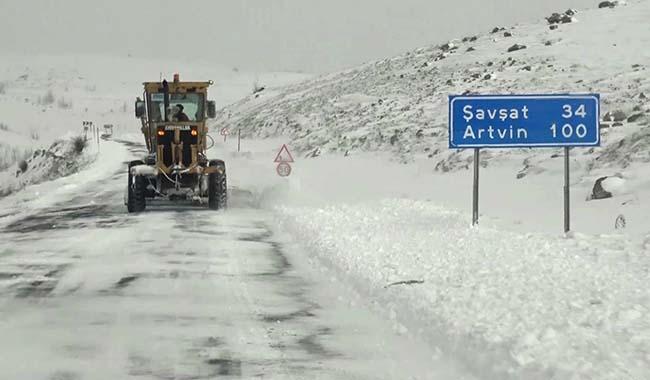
(507, 302)
(376, 213)
(376, 198)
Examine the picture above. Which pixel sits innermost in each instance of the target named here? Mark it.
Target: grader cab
(173, 117)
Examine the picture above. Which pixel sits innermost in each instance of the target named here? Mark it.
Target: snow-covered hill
(400, 104)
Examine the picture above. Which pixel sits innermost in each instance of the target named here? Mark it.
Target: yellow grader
(173, 116)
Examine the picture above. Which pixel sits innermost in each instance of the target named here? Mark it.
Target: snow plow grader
(176, 168)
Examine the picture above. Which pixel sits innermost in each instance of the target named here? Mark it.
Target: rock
(598, 192)
(465, 39)
(487, 77)
(570, 12)
(607, 4)
(314, 153)
(636, 117)
(448, 46)
(643, 96)
(490, 63)
(528, 68)
(564, 18)
(554, 18)
(620, 222)
(617, 115)
(419, 134)
(507, 34)
(470, 49)
(474, 38)
(548, 43)
(616, 125)
(604, 126)
(516, 47)
(497, 29)
(440, 57)
(450, 82)
(553, 26)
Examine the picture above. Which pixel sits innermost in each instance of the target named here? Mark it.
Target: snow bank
(62, 158)
(513, 305)
(97, 166)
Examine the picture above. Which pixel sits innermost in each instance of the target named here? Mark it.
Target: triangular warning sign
(283, 155)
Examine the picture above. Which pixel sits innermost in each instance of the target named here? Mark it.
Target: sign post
(523, 121)
(567, 198)
(475, 192)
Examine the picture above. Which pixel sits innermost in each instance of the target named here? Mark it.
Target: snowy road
(90, 292)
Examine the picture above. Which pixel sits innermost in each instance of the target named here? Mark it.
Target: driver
(178, 114)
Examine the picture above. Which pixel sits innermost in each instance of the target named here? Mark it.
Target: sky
(312, 36)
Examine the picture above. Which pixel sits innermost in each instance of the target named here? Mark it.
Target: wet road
(90, 292)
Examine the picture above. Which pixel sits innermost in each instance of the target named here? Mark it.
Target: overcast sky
(290, 35)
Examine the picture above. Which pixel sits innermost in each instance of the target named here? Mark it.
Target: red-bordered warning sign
(284, 155)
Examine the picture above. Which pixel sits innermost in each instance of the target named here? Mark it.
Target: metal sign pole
(567, 211)
(475, 197)
(239, 140)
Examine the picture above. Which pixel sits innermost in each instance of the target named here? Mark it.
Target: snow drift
(62, 158)
(512, 305)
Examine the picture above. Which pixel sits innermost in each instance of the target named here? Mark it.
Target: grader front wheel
(217, 191)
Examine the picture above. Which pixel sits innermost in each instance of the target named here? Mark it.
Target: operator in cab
(178, 114)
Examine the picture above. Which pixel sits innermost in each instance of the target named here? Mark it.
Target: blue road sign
(507, 121)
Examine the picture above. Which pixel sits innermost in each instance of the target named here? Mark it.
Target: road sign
(284, 155)
(508, 121)
(224, 132)
(283, 169)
